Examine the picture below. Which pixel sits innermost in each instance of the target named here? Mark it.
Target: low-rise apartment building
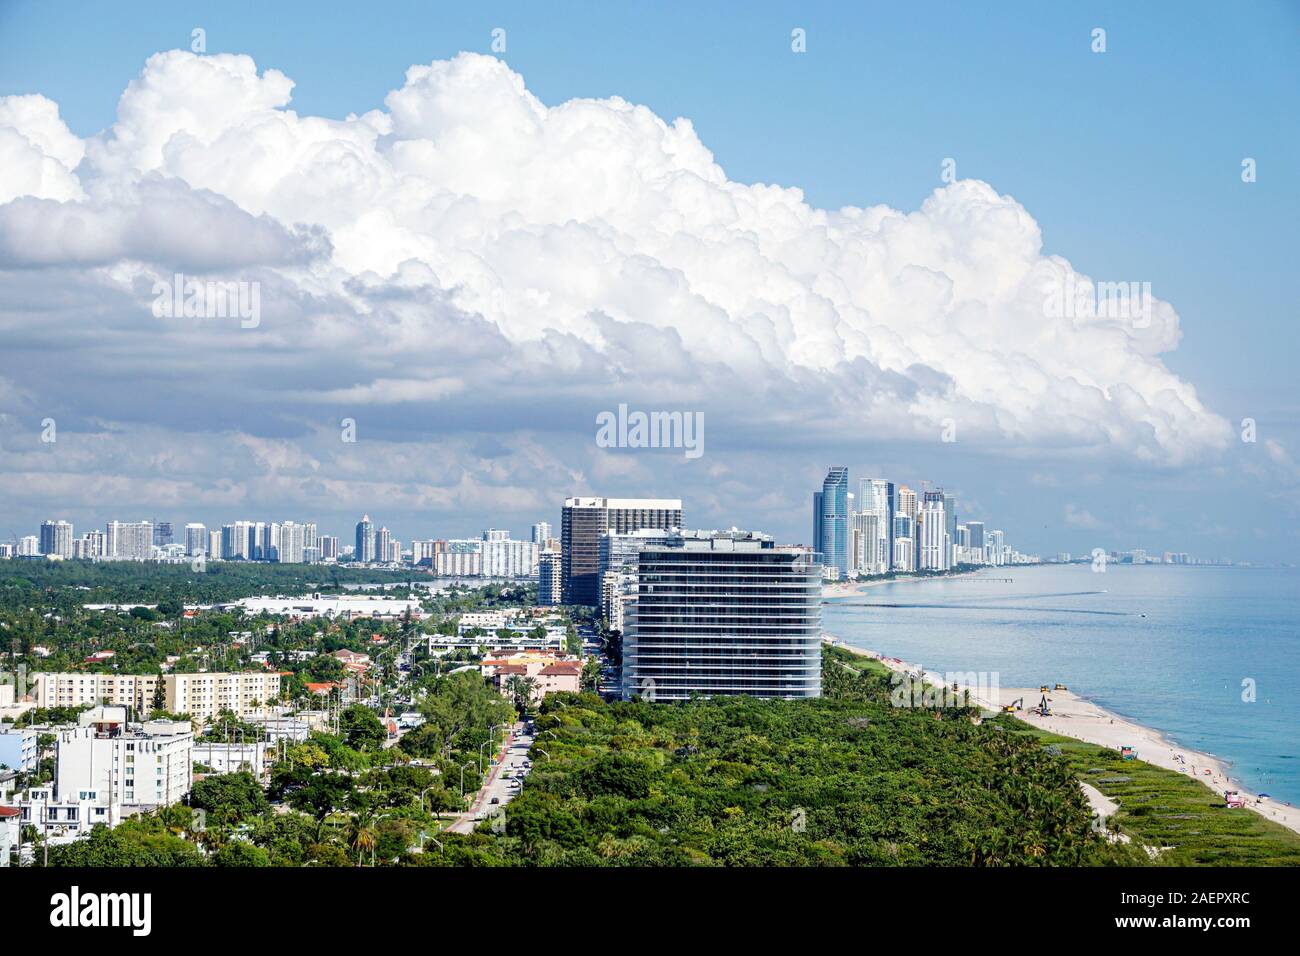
(200, 695)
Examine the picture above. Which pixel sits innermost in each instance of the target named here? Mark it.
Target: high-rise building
(618, 554)
(162, 533)
(129, 540)
(142, 768)
(56, 538)
(460, 558)
(584, 520)
(214, 543)
(975, 535)
(864, 548)
(904, 543)
(239, 540)
(723, 613)
(934, 550)
(834, 523)
(541, 533)
(329, 547)
(383, 539)
(90, 545)
(550, 578)
(292, 543)
(365, 549)
(196, 539)
(950, 524)
(504, 557)
(876, 494)
(29, 546)
(817, 522)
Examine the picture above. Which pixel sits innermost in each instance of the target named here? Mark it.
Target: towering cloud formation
(468, 248)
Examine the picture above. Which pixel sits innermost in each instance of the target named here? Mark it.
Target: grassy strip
(1164, 808)
(1158, 807)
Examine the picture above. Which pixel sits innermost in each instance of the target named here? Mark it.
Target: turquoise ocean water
(1166, 646)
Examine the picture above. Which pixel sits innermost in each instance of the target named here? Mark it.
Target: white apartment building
(462, 558)
(129, 540)
(201, 696)
(935, 543)
(10, 822)
(222, 757)
(504, 557)
(205, 695)
(550, 578)
(139, 767)
(77, 689)
(196, 539)
(64, 819)
(18, 749)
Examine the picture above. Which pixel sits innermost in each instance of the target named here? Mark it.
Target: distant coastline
(1072, 715)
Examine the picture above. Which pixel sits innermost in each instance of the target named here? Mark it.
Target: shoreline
(1074, 716)
(840, 589)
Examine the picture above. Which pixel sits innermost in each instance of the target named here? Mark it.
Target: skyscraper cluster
(881, 528)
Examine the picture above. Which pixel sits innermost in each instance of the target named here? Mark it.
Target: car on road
(496, 800)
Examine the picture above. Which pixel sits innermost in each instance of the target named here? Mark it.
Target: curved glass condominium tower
(723, 613)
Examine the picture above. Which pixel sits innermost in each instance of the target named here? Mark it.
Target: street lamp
(467, 763)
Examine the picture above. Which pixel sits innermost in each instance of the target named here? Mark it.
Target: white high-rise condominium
(462, 557)
(541, 533)
(292, 544)
(550, 578)
(723, 613)
(329, 547)
(237, 541)
(934, 533)
(864, 544)
(129, 540)
(29, 546)
(904, 542)
(196, 539)
(56, 539)
(89, 545)
(907, 506)
(214, 543)
(507, 558)
(383, 538)
(877, 495)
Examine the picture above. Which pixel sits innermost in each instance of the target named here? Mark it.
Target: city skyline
(848, 294)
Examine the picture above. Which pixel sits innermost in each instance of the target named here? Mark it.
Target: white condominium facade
(129, 540)
(201, 696)
(206, 695)
(723, 613)
(78, 689)
(935, 544)
(136, 769)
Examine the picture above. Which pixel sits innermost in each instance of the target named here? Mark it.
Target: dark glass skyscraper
(834, 520)
(365, 548)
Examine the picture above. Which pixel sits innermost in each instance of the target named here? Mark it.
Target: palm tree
(362, 838)
(521, 690)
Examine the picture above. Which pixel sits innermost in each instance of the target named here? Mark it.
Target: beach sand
(1072, 716)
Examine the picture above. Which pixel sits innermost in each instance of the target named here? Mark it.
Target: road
(508, 760)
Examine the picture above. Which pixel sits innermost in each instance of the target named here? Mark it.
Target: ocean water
(1166, 646)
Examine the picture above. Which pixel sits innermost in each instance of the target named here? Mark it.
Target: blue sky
(1128, 160)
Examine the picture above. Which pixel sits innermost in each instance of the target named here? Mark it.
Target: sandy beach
(1072, 716)
(841, 589)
